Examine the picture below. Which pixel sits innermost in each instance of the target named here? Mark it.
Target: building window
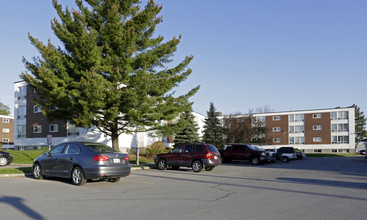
(6, 130)
(334, 150)
(21, 112)
(334, 127)
(296, 118)
(54, 128)
(22, 93)
(276, 140)
(276, 118)
(297, 129)
(5, 140)
(317, 127)
(36, 109)
(296, 140)
(317, 139)
(37, 129)
(72, 130)
(317, 116)
(276, 129)
(340, 139)
(21, 131)
(6, 120)
(343, 127)
(317, 150)
(334, 116)
(342, 115)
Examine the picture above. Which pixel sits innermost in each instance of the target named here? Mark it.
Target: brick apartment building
(33, 130)
(6, 131)
(313, 131)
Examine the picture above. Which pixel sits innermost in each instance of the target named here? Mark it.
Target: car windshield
(100, 148)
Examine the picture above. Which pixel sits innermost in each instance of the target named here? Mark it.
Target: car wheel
(113, 180)
(285, 159)
(3, 161)
(197, 166)
(255, 160)
(175, 167)
(162, 164)
(209, 168)
(37, 171)
(77, 176)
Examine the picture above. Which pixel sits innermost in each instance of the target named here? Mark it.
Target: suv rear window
(213, 149)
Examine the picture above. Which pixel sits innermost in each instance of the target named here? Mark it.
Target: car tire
(113, 180)
(37, 171)
(197, 166)
(255, 160)
(77, 176)
(4, 161)
(285, 159)
(209, 168)
(162, 164)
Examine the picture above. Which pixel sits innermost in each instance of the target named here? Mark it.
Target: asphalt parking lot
(314, 188)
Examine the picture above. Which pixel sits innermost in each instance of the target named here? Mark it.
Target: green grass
(16, 170)
(330, 155)
(141, 159)
(25, 157)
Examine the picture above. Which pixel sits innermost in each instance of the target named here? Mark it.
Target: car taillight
(207, 156)
(101, 158)
(127, 159)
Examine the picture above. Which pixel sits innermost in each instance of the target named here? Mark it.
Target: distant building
(6, 131)
(33, 130)
(313, 131)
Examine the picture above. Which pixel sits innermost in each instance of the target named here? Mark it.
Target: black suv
(197, 156)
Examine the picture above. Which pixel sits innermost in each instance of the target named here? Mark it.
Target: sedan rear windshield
(100, 148)
(212, 149)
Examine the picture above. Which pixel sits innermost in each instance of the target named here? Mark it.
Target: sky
(283, 54)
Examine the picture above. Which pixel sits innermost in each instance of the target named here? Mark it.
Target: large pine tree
(111, 71)
(360, 124)
(189, 134)
(213, 130)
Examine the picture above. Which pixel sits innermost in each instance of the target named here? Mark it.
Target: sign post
(49, 141)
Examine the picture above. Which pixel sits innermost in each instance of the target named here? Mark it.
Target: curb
(31, 174)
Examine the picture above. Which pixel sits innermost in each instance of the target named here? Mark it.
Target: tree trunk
(115, 141)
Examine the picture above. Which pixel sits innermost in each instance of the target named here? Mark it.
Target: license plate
(215, 157)
(116, 160)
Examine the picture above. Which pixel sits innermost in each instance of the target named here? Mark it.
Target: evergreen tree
(111, 72)
(189, 134)
(4, 109)
(213, 131)
(360, 124)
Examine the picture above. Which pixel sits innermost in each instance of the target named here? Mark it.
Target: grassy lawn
(16, 170)
(25, 157)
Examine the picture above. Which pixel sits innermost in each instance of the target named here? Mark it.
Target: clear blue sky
(286, 54)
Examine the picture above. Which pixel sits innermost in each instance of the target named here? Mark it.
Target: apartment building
(6, 131)
(313, 131)
(33, 130)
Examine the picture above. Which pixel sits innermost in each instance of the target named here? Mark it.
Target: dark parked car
(81, 161)
(244, 152)
(197, 156)
(5, 158)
